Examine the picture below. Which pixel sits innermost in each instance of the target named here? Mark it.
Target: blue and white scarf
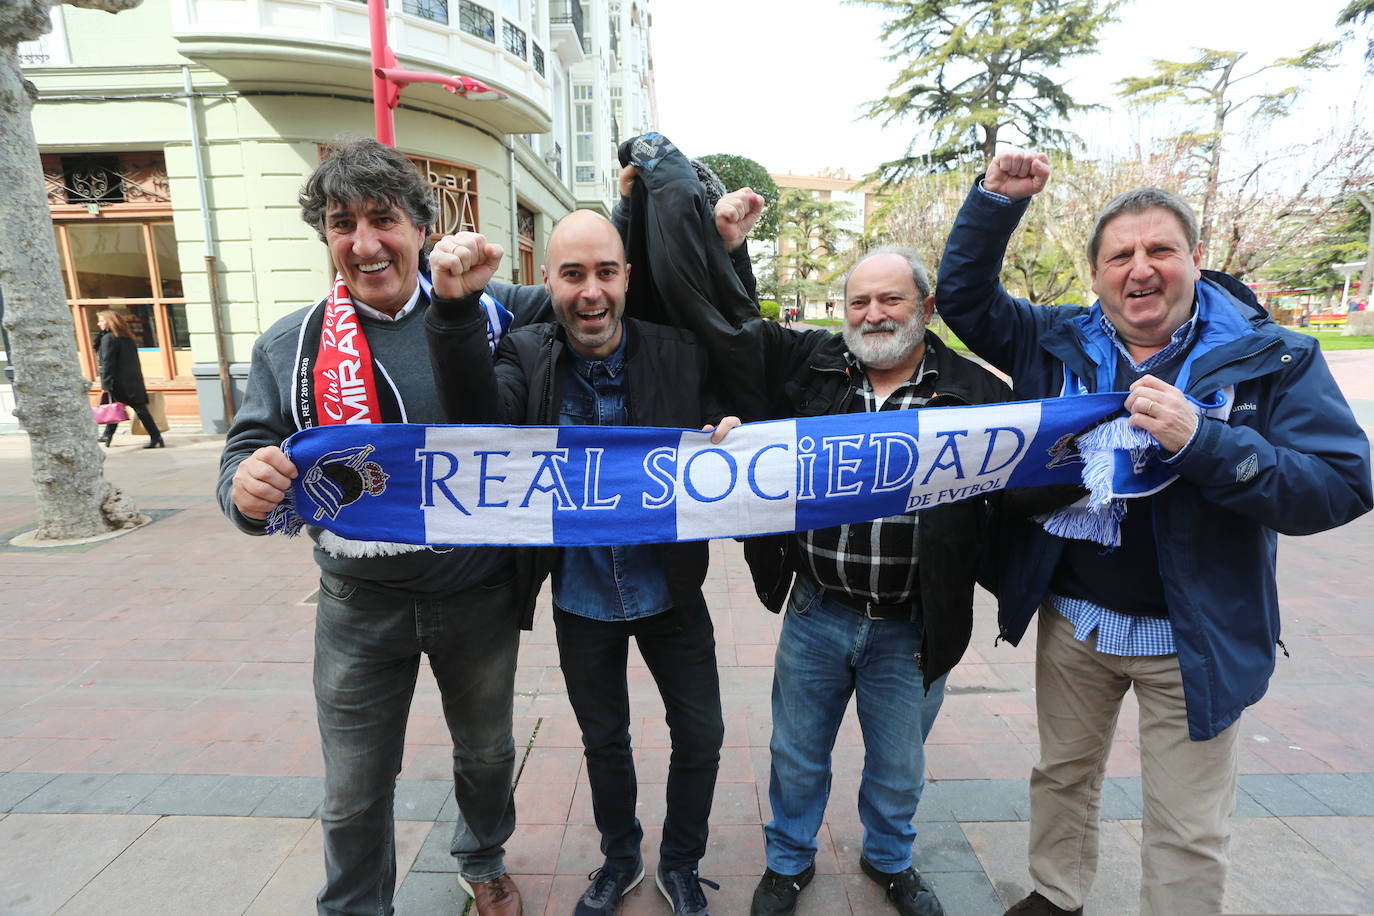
(590, 485)
(1123, 462)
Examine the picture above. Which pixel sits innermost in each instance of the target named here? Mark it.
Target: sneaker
(906, 890)
(777, 894)
(1037, 905)
(682, 887)
(608, 886)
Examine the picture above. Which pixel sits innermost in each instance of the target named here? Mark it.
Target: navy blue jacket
(1291, 459)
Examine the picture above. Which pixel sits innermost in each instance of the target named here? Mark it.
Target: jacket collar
(1229, 328)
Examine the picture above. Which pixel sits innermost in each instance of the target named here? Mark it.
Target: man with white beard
(880, 611)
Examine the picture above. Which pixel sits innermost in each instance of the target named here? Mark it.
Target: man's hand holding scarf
(262, 481)
(1162, 411)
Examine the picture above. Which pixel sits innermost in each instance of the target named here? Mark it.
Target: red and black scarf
(336, 378)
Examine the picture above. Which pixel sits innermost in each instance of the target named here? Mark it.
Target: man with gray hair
(866, 600)
(359, 356)
(1185, 609)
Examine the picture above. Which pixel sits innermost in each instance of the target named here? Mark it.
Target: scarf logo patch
(340, 478)
(1063, 451)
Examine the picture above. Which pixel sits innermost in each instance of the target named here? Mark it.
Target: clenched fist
(463, 264)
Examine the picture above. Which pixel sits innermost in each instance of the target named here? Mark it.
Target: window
(617, 113)
(476, 20)
(132, 267)
(456, 188)
(584, 126)
(524, 234)
(514, 39)
(537, 58)
(433, 10)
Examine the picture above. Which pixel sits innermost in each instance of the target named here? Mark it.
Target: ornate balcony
(323, 45)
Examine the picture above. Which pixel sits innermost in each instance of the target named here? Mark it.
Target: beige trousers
(1188, 787)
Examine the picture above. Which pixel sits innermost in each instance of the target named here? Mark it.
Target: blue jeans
(679, 649)
(367, 657)
(826, 653)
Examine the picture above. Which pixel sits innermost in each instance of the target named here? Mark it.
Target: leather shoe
(497, 897)
(1036, 904)
(906, 890)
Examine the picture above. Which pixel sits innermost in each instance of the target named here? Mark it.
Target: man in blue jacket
(1185, 611)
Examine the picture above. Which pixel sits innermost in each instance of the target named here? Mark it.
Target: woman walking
(121, 377)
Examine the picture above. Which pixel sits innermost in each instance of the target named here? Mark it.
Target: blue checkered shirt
(1117, 634)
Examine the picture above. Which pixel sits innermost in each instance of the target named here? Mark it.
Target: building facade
(859, 199)
(175, 136)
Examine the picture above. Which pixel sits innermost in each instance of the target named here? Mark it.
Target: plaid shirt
(872, 561)
(1117, 634)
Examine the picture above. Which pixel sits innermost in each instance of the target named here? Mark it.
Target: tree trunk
(1209, 196)
(73, 498)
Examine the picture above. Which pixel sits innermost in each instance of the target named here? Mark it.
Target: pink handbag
(109, 410)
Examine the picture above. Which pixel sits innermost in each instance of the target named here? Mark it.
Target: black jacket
(809, 376)
(120, 373)
(665, 385)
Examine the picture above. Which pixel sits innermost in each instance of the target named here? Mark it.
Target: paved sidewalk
(158, 751)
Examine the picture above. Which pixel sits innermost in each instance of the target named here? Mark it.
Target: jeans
(367, 657)
(679, 647)
(826, 653)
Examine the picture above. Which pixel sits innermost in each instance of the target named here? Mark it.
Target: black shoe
(1037, 905)
(607, 887)
(777, 894)
(906, 890)
(682, 887)
(105, 440)
(156, 443)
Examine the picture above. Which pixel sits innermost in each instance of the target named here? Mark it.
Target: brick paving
(158, 751)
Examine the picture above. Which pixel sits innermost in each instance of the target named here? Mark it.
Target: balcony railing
(476, 20)
(565, 11)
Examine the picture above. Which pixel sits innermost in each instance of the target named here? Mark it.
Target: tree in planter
(972, 70)
(73, 498)
(1211, 81)
(741, 172)
(811, 229)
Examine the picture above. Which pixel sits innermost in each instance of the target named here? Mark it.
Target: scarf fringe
(1098, 517)
(337, 546)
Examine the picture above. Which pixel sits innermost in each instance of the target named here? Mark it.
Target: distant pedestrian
(121, 377)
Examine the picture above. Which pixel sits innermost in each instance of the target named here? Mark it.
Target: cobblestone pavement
(158, 751)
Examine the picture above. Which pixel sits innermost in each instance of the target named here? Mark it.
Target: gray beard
(889, 351)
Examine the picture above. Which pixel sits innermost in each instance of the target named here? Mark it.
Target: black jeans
(146, 416)
(679, 647)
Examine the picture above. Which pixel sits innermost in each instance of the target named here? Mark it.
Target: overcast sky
(783, 81)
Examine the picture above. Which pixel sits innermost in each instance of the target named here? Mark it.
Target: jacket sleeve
(261, 420)
(109, 358)
(527, 304)
(460, 357)
(1306, 471)
(969, 293)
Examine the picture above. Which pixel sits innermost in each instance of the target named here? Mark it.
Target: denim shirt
(604, 583)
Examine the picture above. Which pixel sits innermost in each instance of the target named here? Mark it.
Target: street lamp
(388, 80)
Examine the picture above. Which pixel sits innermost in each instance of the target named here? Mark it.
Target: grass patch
(1335, 340)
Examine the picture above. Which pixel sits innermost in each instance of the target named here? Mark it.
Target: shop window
(130, 266)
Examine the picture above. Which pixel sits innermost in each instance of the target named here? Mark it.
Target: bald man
(595, 367)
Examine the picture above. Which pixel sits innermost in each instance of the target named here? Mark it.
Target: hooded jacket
(1290, 459)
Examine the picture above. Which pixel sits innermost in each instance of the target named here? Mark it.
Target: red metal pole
(382, 117)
